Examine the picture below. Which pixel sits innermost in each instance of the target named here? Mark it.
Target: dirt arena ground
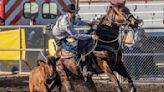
(20, 84)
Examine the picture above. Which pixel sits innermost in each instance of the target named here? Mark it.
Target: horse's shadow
(79, 85)
(14, 83)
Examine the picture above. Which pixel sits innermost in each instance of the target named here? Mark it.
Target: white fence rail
(151, 12)
(142, 62)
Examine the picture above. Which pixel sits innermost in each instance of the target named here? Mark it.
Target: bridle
(115, 12)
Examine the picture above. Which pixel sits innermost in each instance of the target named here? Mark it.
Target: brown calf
(41, 78)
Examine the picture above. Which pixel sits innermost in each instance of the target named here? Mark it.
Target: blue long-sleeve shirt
(64, 28)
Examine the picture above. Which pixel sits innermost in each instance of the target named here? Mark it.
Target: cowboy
(65, 35)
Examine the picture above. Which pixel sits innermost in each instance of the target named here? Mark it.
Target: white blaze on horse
(129, 37)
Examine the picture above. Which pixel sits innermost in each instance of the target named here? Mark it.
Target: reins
(96, 41)
(108, 41)
(93, 48)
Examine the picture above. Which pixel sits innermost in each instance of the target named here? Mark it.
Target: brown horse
(108, 54)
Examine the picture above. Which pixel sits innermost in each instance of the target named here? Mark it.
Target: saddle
(66, 54)
(62, 53)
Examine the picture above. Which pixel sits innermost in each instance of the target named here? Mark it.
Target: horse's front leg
(122, 71)
(63, 77)
(105, 67)
(70, 64)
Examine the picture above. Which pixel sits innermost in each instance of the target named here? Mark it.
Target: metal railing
(143, 63)
(151, 12)
(34, 45)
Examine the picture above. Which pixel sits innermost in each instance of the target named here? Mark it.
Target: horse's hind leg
(104, 66)
(64, 79)
(122, 71)
(70, 64)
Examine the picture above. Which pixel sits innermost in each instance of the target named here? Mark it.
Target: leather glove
(94, 37)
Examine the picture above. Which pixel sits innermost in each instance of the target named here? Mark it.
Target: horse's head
(117, 20)
(120, 15)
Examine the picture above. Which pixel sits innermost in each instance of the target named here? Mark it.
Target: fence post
(44, 39)
(20, 41)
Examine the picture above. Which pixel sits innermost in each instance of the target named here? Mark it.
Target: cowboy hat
(70, 8)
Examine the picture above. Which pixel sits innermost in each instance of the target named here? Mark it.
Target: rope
(28, 63)
(108, 41)
(43, 55)
(96, 41)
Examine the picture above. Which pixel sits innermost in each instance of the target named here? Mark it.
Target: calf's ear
(40, 62)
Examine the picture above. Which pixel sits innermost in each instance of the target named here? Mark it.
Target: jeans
(70, 47)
